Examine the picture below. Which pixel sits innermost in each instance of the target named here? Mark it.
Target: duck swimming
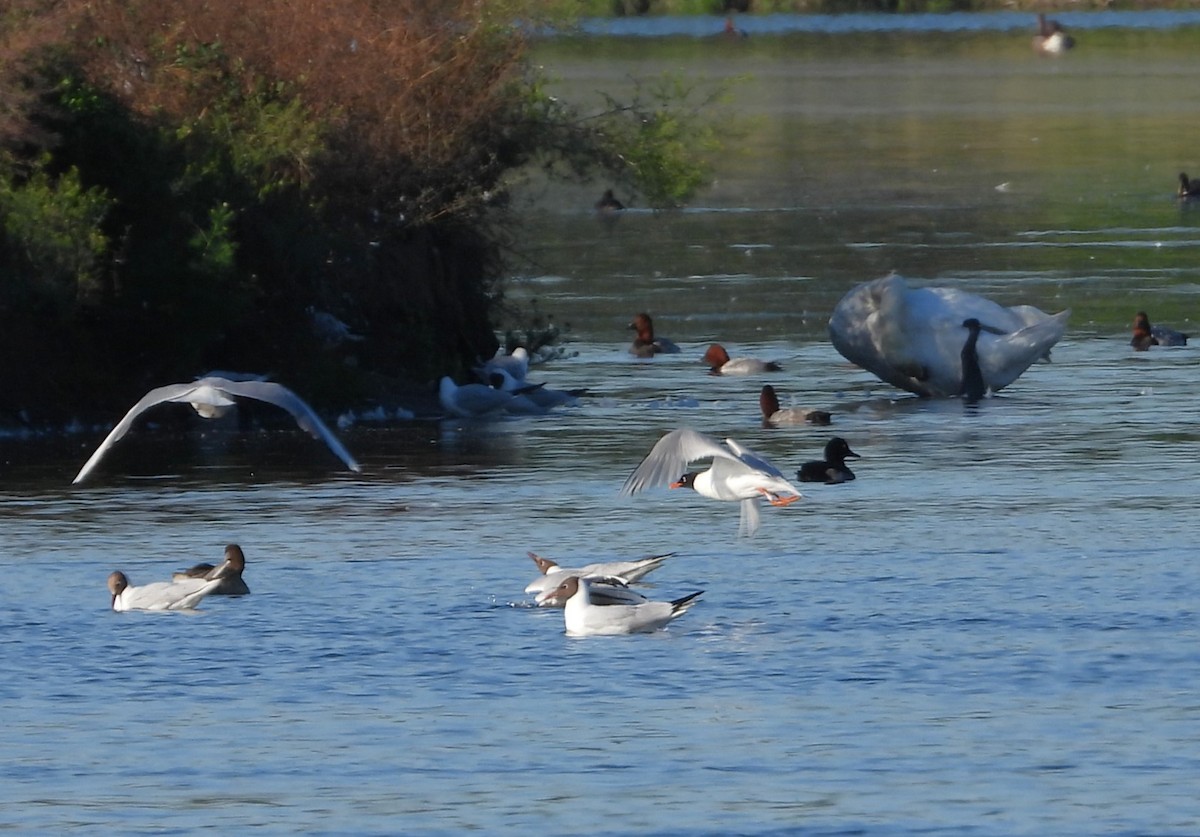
(229, 573)
(772, 416)
(1188, 188)
(736, 474)
(1051, 38)
(1146, 335)
(645, 344)
(832, 469)
(913, 338)
(720, 363)
(212, 397)
(608, 203)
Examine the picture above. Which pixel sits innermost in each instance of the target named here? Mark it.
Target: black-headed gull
(603, 591)
(472, 400)
(182, 594)
(515, 365)
(582, 617)
(212, 397)
(773, 416)
(229, 572)
(832, 469)
(628, 571)
(719, 363)
(736, 473)
(913, 338)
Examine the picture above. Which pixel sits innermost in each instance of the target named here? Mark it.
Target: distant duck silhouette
(1051, 38)
(1146, 335)
(608, 203)
(730, 30)
(645, 344)
(973, 387)
(832, 469)
(1188, 188)
(768, 402)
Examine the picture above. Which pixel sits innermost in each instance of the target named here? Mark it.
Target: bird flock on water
(935, 342)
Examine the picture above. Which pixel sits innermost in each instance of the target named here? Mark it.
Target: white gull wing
(160, 395)
(211, 397)
(670, 456)
(165, 595)
(283, 397)
(628, 571)
(602, 590)
(749, 521)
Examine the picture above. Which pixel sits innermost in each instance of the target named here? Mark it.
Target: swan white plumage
(212, 397)
(913, 338)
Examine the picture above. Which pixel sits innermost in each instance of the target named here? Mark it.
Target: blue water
(992, 631)
(782, 24)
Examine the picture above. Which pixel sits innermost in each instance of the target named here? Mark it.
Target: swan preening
(913, 338)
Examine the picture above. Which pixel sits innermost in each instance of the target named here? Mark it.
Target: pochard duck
(720, 363)
(1051, 38)
(584, 617)
(212, 397)
(628, 571)
(773, 416)
(736, 474)
(1146, 335)
(832, 469)
(913, 338)
(229, 573)
(645, 344)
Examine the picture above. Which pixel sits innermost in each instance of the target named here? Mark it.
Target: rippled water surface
(992, 631)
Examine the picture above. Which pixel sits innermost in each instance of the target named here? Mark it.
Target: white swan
(212, 397)
(913, 338)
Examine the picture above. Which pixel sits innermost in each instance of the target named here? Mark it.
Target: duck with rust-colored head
(1146, 335)
(720, 363)
(773, 416)
(645, 344)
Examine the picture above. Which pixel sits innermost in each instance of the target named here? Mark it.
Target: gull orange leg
(776, 500)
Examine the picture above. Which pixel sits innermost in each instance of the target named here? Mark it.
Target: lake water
(993, 631)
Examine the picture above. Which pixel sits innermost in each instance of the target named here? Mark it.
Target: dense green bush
(185, 185)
